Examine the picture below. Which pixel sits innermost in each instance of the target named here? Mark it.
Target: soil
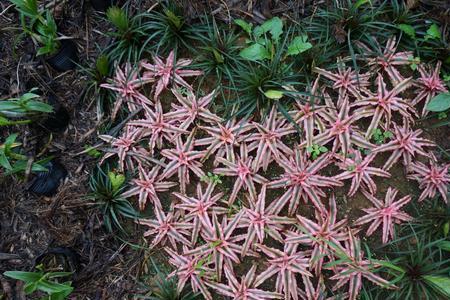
(110, 266)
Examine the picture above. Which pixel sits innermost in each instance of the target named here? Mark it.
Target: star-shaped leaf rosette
(241, 208)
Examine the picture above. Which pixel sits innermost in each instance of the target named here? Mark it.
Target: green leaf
(441, 283)
(91, 151)
(30, 287)
(274, 26)
(217, 56)
(247, 27)
(24, 276)
(433, 32)
(408, 30)
(299, 45)
(323, 149)
(4, 121)
(39, 106)
(439, 103)
(446, 228)
(53, 287)
(444, 245)
(274, 94)
(116, 180)
(255, 52)
(173, 18)
(102, 65)
(360, 3)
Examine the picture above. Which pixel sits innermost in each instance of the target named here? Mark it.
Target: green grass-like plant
(418, 265)
(107, 188)
(168, 30)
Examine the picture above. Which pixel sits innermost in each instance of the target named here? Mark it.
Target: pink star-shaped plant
(383, 103)
(385, 213)
(318, 293)
(220, 245)
(157, 126)
(429, 84)
(267, 141)
(347, 81)
(198, 208)
(327, 231)
(163, 72)
(147, 187)
(243, 168)
(341, 129)
(122, 146)
(354, 268)
(302, 181)
(359, 170)
(242, 290)
(389, 60)
(166, 227)
(182, 159)
(286, 264)
(308, 113)
(260, 221)
(190, 268)
(431, 178)
(127, 83)
(192, 109)
(223, 138)
(406, 143)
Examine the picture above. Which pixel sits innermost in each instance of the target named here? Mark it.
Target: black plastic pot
(58, 120)
(67, 57)
(66, 257)
(102, 5)
(47, 183)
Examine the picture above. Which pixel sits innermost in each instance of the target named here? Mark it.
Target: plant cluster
(39, 25)
(47, 282)
(208, 234)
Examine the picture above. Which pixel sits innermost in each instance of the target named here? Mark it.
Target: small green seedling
(212, 178)
(91, 151)
(44, 281)
(263, 40)
(39, 25)
(12, 161)
(414, 62)
(316, 150)
(13, 110)
(380, 136)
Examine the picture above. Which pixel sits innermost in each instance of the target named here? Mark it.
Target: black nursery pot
(58, 120)
(67, 57)
(102, 5)
(47, 183)
(66, 257)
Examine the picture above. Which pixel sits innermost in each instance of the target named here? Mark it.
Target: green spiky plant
(433, 218)
(166, 288)
(97, 75)
(107, 188)
(167, 29)
(217, 53)
(418, 265)
(129, 36)
(337, 27)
